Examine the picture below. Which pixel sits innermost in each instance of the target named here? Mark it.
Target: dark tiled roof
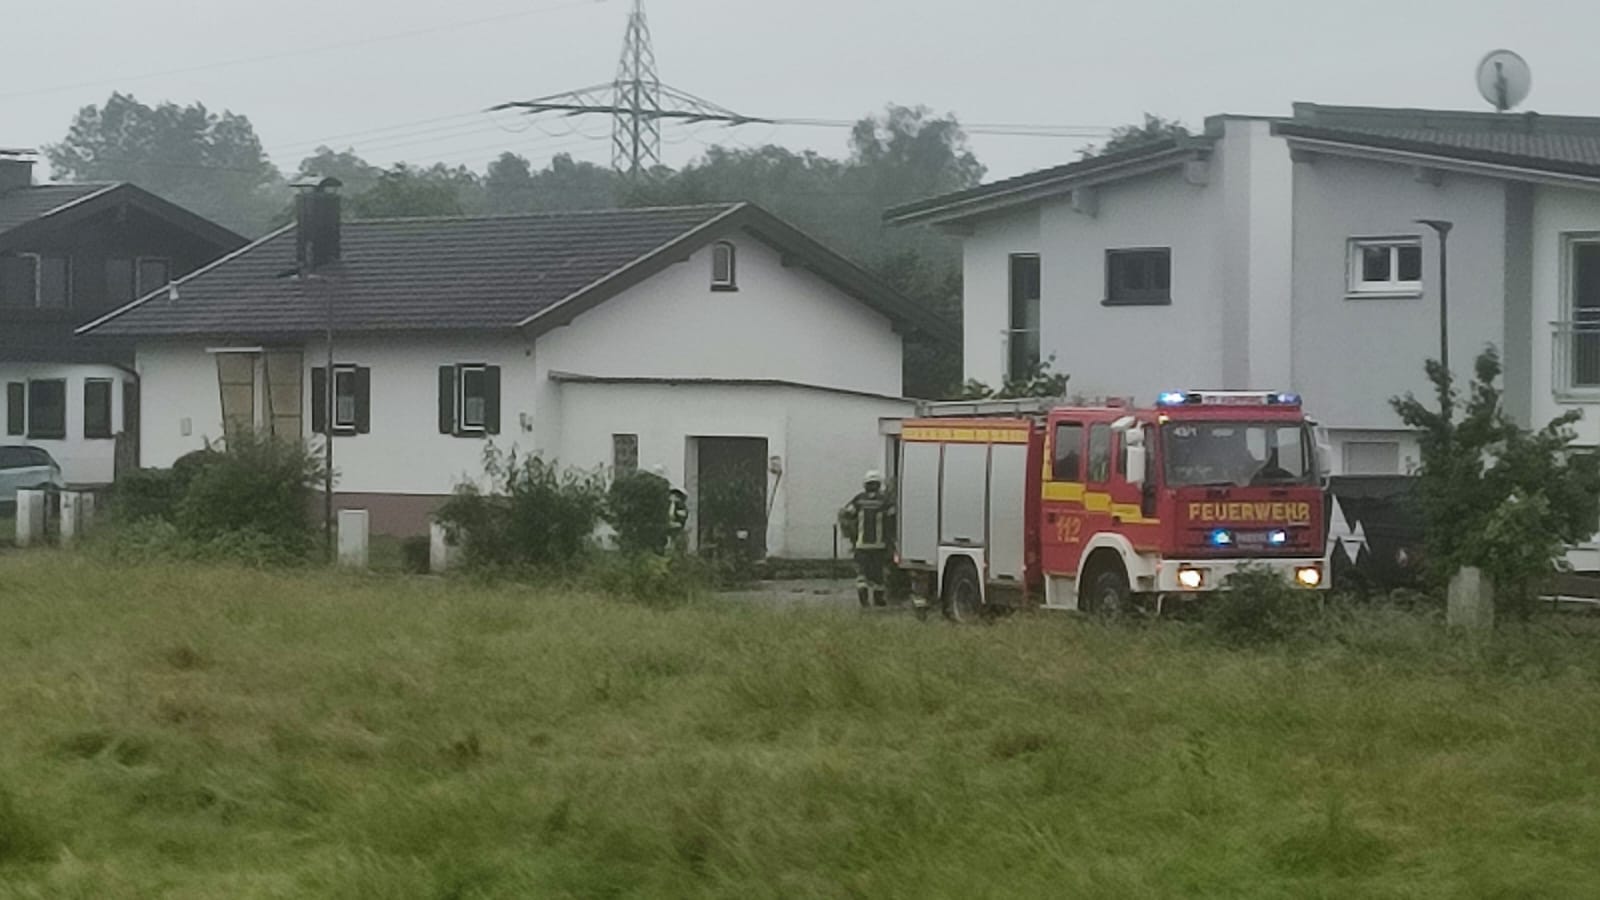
(472, 274)
(1062, 175)
(467, 273)
(19, 206)
(1560, 144)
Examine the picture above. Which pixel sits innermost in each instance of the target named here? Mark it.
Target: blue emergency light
(1278, 538)
(1222, 537)
(1227, 398)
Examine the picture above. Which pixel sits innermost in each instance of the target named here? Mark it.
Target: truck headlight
(1308, 576)
(1191, 579)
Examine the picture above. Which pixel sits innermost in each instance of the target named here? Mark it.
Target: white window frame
(730, 281)
(1356, 284)
(462, 425)
(339, 424)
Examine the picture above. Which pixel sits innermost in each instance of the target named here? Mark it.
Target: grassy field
(217, 733)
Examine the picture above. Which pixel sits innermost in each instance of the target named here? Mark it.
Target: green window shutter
(447, 399)
(491, 400)
(363, 400)
(319, 400)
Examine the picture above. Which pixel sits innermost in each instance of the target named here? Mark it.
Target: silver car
(23, 468)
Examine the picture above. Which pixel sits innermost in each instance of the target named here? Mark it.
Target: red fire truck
(1096, 508)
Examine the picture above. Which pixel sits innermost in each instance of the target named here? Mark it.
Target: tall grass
(214, 732)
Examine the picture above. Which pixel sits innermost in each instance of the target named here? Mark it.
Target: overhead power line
(303, 51)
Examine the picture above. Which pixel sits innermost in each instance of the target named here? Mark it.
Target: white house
(70, 253)
(1287, 253)
(713, 340)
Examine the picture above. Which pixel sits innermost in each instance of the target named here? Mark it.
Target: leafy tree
(208, 163)
(357, 175)
(512, 186)
(1038, 380)
(1129, 137)
(406, 190)
(1495, 495)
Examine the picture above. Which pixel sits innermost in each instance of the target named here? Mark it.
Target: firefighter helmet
(873, 476)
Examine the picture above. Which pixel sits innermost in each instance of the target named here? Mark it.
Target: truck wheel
(963, 596)
(1109, 595)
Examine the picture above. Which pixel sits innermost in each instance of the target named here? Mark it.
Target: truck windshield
(1237, 454)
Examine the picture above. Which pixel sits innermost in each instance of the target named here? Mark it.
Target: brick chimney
(16, 169)
(316, 222)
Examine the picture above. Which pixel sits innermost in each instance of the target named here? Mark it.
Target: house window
(1372, 458)
(469, 399)
(120, 286)
(352, 400)
(1068, 462)
(1386, 266)
(16, 409)
(624, 455)
(32, 281)
(129, 279)
(724, 273)
(154, 273)
(1100, 453)
(344, 397)
(55, 282)
(97, 408)
(1140, 277)
(1024, 330)
(1583, 313)
(47, 409)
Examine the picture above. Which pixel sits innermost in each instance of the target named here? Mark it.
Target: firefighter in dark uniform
(867, 522)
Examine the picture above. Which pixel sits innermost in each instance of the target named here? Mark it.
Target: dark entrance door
(732, 495)
(126, 454)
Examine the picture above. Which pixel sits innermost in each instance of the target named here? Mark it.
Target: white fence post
(30, 517)
(440, 553)
(71, 518)
(353, 538)
(1471, 601)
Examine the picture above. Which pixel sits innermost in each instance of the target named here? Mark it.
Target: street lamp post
(1442, 228)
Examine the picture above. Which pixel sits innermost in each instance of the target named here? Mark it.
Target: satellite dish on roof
(1504, 79)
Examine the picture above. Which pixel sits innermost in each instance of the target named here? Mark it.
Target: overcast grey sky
(999, 61)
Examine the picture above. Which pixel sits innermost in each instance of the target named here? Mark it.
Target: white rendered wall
(84, 461)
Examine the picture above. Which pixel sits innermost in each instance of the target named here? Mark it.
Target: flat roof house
(714, 340)
(68, 254)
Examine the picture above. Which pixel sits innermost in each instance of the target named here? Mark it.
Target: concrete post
(353, 538)
(71, 518)
(30, 517)
(440, 553)
(1471, 601)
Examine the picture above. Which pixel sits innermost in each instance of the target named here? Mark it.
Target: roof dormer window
(723, 267)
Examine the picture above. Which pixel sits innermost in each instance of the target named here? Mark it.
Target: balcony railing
(1576, 355)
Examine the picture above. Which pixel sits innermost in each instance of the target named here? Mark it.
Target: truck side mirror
(1134, 464)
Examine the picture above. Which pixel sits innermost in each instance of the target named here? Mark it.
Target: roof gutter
(958, 209)
(1448, 163)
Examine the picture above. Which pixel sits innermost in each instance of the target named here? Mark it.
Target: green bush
(637, 507)
(248, 503)
(652, 579)
(1259, 607)
(534, 515)
(156, 493)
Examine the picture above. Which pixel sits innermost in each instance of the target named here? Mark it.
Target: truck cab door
(1063, 531)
